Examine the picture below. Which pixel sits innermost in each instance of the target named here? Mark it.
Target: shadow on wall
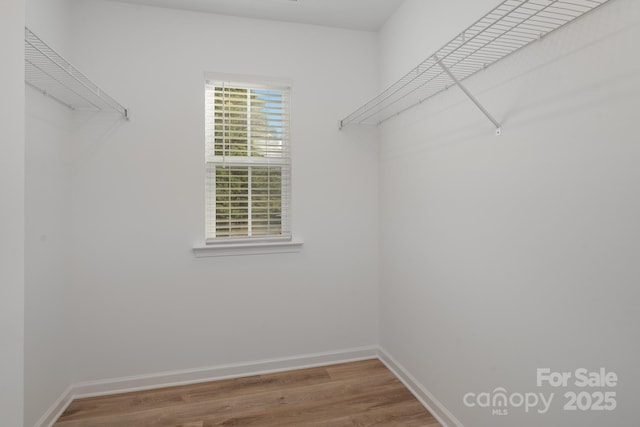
(91, 130)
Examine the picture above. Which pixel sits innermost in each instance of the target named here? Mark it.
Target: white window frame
(224, 246)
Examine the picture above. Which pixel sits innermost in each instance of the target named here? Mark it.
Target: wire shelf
(49, 73)
(509, 27)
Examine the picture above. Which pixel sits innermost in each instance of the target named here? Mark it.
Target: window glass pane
(266, 201)
(232, 202)
(231, 114)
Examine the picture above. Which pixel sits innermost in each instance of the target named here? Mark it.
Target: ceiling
(368, 15)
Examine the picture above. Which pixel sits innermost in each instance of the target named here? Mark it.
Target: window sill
(257, 248)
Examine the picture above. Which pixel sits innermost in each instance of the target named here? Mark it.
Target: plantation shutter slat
(248, 164)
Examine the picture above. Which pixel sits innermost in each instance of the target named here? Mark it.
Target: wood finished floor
(351, 394)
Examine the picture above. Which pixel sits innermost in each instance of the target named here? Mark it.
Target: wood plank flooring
(347, 395)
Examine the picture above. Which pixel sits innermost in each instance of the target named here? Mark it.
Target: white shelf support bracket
(471, 97)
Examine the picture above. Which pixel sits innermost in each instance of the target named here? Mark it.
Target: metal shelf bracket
(470, 96)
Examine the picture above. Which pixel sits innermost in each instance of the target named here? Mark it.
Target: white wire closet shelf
(509, 27)
(49, 73)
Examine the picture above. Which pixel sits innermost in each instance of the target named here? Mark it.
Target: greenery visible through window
(247, 161)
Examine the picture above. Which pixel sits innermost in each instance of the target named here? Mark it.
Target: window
(248, 163)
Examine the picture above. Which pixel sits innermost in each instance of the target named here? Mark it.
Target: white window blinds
(248, 163)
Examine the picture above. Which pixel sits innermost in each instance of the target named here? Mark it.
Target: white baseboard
(428, 400)
(214, 373)
(54, 412)
(194, 376)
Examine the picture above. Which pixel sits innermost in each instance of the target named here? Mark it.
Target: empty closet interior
(463, 196)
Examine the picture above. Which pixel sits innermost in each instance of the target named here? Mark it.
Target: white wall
(143, 302)
(12, 212)
(48, 233)
(504, 255)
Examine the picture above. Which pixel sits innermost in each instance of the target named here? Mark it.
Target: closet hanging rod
(49, 73)
(509, 27)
